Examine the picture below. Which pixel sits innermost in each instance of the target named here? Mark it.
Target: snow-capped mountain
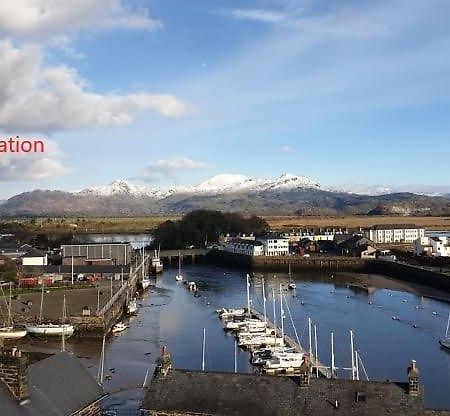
(123, 187)
(224, 183)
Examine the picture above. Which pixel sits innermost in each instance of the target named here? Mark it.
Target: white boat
(445, 342)
(12, 332)
(9, 331)
(132, 306)
(225, 313)
(264, 359)
(257, 341)
(119, 327)
(292, 286)
(179, 276)
(249, 323)
(156, 265)
(291, 361)
(49, 328)
(145, 282)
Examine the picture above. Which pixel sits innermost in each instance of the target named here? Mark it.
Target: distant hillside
(288, 196)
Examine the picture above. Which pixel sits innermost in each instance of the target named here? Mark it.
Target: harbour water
(170, 315)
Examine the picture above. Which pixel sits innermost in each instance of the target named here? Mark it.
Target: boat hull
(12, 333)
(50, 330)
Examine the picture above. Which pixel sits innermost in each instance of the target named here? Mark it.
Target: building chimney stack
(413, 376)
(305, 371)
(163, 363)
(14, 372)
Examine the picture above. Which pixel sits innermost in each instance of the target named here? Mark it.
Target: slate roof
(394, 226)
(248, 242)
(229, 394)
(57, 386)
(34, 252)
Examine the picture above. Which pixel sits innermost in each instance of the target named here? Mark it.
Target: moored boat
(12, 332)
(119, 327)
(132, 306)
(445, 342)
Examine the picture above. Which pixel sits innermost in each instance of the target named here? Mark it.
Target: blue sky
(172, 92)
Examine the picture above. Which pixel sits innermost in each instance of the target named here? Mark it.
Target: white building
(397, 233)
(275, 245)
(247, 247)
(432, 246)
(35, 258)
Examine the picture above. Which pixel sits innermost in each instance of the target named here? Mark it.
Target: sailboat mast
(310, 337)
(448, 322)
(9, 304)
(42, 303)
(264, 301)
(274, 312)
(353, 354)
(332, 354)
(315, 351)
(63, 340)
(235, 355)
(281, 314)
(248, 297)
(203, 349)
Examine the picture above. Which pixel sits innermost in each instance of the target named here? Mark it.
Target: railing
(129, 283)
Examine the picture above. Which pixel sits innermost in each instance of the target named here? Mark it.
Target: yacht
(119, 327)
(284, 361)
(179, 276)
(40, 329)
(249, 323)
(260, 340)
(156, 266)
(445, 342)
(225, 313)
(132, 306)
(9, 330)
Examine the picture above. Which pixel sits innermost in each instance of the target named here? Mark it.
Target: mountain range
(285, 195)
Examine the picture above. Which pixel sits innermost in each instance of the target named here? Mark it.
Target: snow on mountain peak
(223, 183)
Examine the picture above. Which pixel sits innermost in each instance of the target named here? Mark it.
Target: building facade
(118, 254)
(275, 245)
(247, 247)
(35, 258)
(395, 233)
(432, 246)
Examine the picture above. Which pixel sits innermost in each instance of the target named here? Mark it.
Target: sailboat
(291, 284)
(132, 306)
(40, 329)
(445, 342)
(145, 282)
(9, 331)
(156, 266)
(179, 276)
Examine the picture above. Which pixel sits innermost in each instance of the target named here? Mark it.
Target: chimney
(14, 372)
(163, 363)
(413, 376)
(305, 371)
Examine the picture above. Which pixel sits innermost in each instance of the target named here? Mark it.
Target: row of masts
(320, 370)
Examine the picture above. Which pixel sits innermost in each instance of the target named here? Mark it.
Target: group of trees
(8, 269)
(202, 226)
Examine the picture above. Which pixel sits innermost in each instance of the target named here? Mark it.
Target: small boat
(192, 286)
(179, 276)
(285, 361)
(9, 330)
(40, 329)
(119, 327)
(445, 342)
(156, 265)
(230, 313)
(132, 306)
(145, 282)
(292, 286)
(43, 330)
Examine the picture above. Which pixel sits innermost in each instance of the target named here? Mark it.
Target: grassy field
(434, 223)
(147, 224)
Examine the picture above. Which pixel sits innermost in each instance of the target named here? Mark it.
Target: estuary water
(170, 315)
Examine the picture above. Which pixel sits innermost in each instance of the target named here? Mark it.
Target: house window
(360, 397)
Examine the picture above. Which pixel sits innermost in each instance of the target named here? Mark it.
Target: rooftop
(395, 227)
(230, 394)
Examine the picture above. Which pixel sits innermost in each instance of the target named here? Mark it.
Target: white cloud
(33, 166)
(287, 149)
(48, 18)
(35, 97)
(259, 15)
(170, 168)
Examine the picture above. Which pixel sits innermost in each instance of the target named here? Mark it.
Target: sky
(172, 92)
